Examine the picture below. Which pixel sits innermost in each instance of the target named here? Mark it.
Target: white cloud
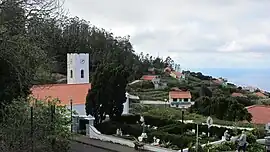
(205, 33)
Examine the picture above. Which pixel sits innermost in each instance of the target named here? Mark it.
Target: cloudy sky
(219, 37)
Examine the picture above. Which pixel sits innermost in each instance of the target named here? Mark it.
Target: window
(71, 74)
(186, 100)
(82, 73)
(174, 99)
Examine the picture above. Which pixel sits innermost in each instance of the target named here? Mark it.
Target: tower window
(71, 74)
(82, 73)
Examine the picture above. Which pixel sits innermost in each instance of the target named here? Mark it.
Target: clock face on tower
(82, 61)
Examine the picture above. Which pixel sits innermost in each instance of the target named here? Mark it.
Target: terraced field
(151, 94)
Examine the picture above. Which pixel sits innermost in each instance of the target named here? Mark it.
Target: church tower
(77, 68)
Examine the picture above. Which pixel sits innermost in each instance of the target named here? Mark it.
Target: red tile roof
(148, 77)
(64, 92)
(178, 74)
(259, 94)
(235, 94)
(260, 114)
(180, 94)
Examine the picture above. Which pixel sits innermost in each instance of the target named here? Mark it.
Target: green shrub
(110, 127)
(178, 140)
(142, 85)
(129, 119)
(157, 121)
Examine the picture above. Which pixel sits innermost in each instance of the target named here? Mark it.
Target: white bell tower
(77, 68)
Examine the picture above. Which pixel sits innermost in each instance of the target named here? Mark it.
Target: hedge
(172, 126)
(110, 127)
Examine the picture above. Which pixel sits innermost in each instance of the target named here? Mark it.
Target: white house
(180, 99)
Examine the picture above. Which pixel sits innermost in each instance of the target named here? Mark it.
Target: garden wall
(95, 134)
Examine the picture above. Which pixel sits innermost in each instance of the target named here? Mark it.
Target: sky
(229, 38)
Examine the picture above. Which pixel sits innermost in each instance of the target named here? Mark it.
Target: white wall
(75, 64)
(95, 134)
(80, 109)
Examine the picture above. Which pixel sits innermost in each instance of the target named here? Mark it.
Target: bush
(16, 127)
(178, 140)
(142, 85)
(157, 121)
(129, 119)
(110, 127)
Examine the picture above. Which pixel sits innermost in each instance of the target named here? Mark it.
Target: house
(236, 94)
(250, 88)
(177, 75)
(260, 114)
(180, 99)
(261, 95)
(220, 81)
(155, 79)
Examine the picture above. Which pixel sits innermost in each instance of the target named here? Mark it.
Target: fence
(38, 128)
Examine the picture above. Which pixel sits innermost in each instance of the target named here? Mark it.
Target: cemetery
(164, 133)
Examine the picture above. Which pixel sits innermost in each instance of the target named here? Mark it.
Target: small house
(155, 79)
(261, 95)
(177, 75)
(179, 98)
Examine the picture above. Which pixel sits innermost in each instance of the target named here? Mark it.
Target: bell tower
(77, 68)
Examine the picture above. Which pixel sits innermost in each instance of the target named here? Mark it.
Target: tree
(16, 135)
(108, 92)
(223, 108)
(204, 91)
(22, 61)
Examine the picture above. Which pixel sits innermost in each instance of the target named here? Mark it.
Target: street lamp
(165, 102)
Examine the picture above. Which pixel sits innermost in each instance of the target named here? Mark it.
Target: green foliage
(205, 92)
(108, 92)
(150, 94)
(142, 85)
(21, 60)
(48, 125)
(222, 108)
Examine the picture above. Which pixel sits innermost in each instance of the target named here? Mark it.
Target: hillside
(198, 84)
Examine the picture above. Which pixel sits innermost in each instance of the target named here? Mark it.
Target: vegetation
(222, 108)
(47, 129)
(25, 46)
(168, 130)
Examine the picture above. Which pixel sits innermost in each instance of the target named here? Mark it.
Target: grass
(150, 94)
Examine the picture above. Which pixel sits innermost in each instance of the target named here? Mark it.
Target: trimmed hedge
(168, 130)
(174, 127)
(110, 127)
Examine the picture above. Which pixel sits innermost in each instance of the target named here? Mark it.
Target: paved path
(79, 147)
(98, 146)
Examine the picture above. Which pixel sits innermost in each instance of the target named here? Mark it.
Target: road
(85, 144)
(78, 147)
